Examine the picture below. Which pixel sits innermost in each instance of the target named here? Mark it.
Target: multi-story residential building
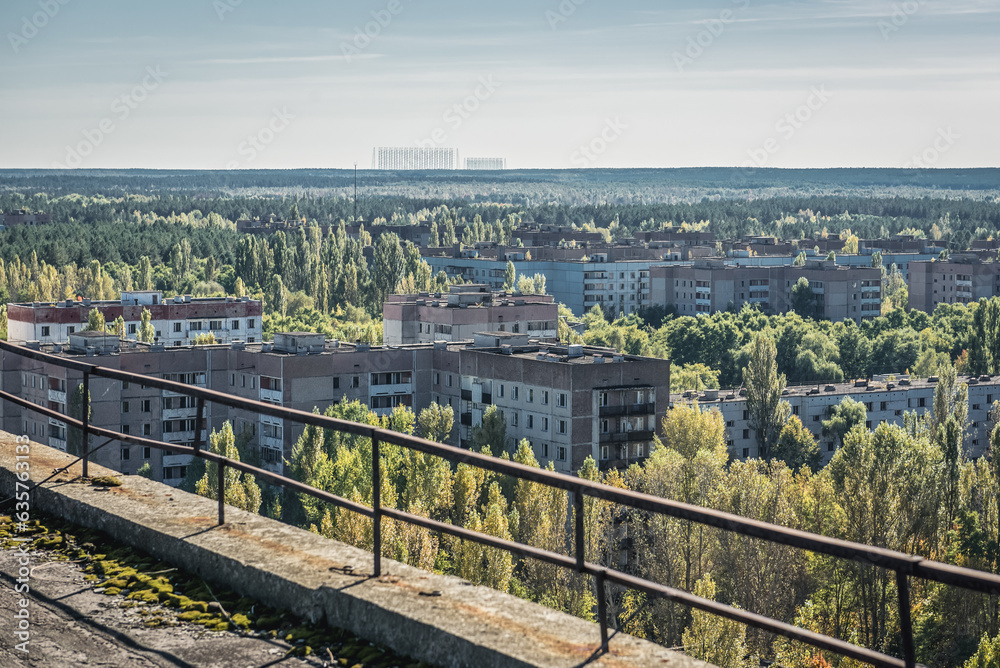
(176, 321)
(414, 157)
(569, 402)
(963, 279)
(620, 286)
(713, 285)
(23, 217)
(886, 400)
(465, 310)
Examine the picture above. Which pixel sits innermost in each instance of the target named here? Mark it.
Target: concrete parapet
(439, 619)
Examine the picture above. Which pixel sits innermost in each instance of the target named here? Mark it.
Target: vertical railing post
(85, 431)
(578, 512)
(905, 623)
(377, 505)
(602, 610)
(222, 493)
(199, 416)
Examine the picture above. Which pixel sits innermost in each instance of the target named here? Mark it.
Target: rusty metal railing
(903, 565)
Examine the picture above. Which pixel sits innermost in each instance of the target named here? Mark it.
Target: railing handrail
(903, 564)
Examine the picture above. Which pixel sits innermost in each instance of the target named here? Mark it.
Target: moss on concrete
(166, 597)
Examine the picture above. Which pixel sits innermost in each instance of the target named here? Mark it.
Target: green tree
(797, 446)
(146, 471)
(241, 488)
(764, 385)
(437, 422)
(509, 277)
(843, 417)
(716, 640)
(95, 321)
(492, 433)
(146, 331)
(988, 654)
(277, 295)
(804, 301)
(118, 327)
(387, 268)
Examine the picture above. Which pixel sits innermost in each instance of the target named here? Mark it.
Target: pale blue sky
(621, 78)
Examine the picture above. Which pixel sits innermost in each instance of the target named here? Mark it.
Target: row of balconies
(627, 436)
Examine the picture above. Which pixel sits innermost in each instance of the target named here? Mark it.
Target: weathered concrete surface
(72, 625)
(318, 579)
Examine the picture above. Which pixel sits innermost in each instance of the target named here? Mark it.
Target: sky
(251, 84)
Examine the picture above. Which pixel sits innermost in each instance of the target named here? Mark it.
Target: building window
(147, 452)
(561, 453)
(515, 392)
(922, 402)
(545, 450)
(126, 454)
(177, 328)
(450, 380)
(640, 449)
(562, 400)
(746, 453)
(501, 390)
(215, 324)
(71, 329)
(132, 328)
(603, 399)
(437, 379)
(125, 429)
(144, 406)
(545, 397)
(232, 380)
(562, 426)
(356, 382)
(795, 410)
(251, 323)
(147, 429)
(124, 406)
(531, 422)
(45, 330)
(513, 419)
(545, 424)
(235, 325)
(604, 452)
(336, 382)
(531, 396)
(746, 433)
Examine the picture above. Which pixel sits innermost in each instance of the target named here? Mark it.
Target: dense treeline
(524, 187)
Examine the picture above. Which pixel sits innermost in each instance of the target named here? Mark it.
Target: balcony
(487, 398)
(387, 390)
(176, 460)
(617, 463)
(57, 396)
(627, 436)
(57, 443)
(466, 419)
(272, 442)
(272, 396)
(628, 409)
(180, 413)
(466, 395)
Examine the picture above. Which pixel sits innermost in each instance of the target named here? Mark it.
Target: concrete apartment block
(176, 320)
(465, 310)
(963, 279)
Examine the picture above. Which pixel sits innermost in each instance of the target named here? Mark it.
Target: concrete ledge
(304, 573)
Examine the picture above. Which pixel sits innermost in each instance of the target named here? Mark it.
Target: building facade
(176, 321)
(884, 399)
(413, 157)
(963, 279)
(23, 217)
(569, 402)
(486, 163)
(712, 285)
(465, 310)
